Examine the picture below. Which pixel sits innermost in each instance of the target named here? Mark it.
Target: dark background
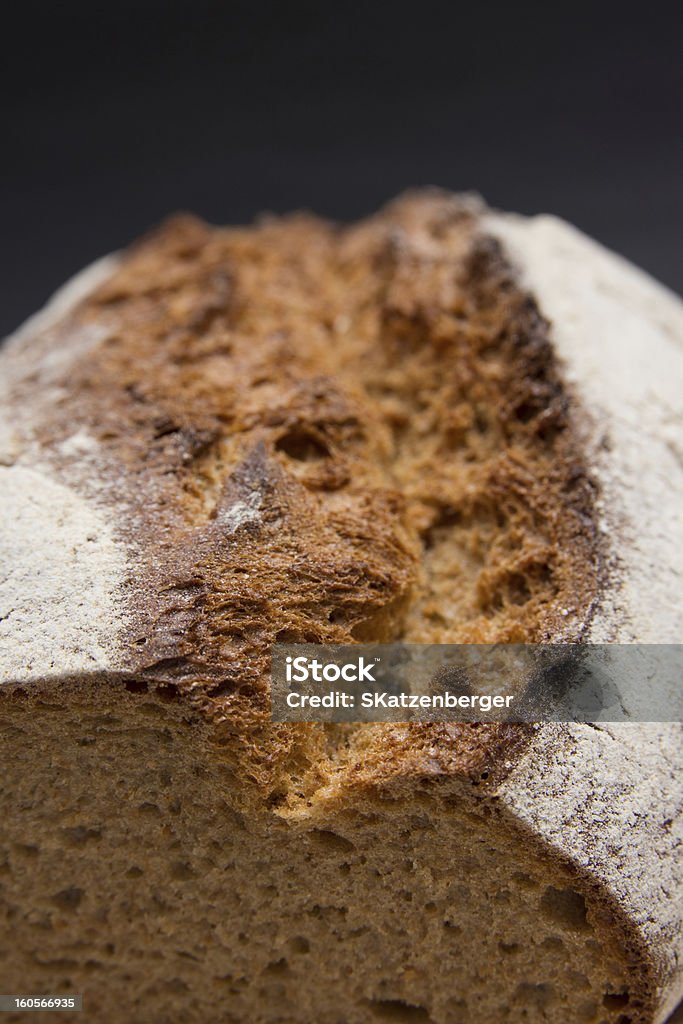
(116, 114)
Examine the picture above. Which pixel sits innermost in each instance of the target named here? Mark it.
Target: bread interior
(137, 870)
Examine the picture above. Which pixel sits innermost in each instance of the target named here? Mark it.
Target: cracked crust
(321, 434)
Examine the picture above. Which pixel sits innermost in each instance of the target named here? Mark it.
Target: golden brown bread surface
(326, 434)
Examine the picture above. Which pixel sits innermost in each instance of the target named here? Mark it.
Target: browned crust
(326, 434)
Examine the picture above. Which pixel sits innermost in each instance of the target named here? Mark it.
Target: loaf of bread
(441, 425)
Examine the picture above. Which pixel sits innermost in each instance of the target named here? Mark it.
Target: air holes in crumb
(397, 1010)
(134, 872)
(29, 850)
(80, 835)
(341, 615)
(508, 947)
(182, 871)
(68, 899)
(277, 967)
(299, 945)
(518, 589)
(523, 880)
(331, 841)
(565, 907)
(168, 692)
(288, 636)
(176, 985)
(616, 1000)
(149, 808)
(222, 688)
(136, 686)
(276, 799)
(302, 446)
(537, 996)
(526, 411)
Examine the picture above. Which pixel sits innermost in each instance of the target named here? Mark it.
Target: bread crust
(329, 502)
(336, 498)
(619, 337)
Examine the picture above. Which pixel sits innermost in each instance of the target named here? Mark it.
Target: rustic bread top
(302, 432)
